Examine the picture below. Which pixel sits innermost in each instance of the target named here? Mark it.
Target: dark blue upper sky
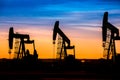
(54, 7)
(69, 12)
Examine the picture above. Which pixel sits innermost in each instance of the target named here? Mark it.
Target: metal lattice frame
(60, 51)
(109, 46)
(17, 43)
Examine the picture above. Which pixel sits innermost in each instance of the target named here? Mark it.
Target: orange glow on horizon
(87, 46)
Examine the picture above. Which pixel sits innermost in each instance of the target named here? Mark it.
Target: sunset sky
(80, 20)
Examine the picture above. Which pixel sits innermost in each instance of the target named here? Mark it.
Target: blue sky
(68, 11)
(83, 17)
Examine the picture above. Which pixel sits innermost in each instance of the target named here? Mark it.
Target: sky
(80, 20)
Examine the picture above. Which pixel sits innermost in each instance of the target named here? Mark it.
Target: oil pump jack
(24, 39)
(65, 42)
(109, 34)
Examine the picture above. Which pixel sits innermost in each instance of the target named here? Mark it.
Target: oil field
(26, 66)
(59, 40)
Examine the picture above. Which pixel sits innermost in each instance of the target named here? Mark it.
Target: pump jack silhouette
(65, 41)
(109, 34)
(24, 39)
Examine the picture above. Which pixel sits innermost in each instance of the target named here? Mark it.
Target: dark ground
(48, 69)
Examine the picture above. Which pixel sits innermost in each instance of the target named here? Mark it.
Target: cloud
(67, 19)
(85, 15)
